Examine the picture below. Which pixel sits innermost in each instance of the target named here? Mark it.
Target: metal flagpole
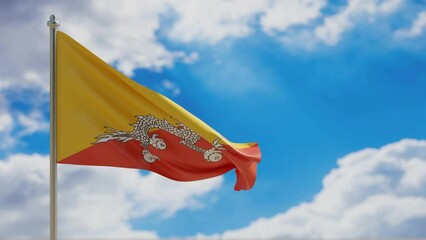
(53, 24)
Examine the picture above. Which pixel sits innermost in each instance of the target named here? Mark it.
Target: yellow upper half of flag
(91, 95)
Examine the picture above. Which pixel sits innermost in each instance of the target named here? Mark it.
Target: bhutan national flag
(107, 119)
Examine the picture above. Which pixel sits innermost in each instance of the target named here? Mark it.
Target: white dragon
(147, 122)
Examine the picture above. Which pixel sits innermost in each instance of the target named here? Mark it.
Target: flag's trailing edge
(107, 119)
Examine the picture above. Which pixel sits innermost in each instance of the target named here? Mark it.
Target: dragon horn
(111, 129)
(216, 141)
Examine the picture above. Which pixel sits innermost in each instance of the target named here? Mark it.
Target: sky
(333, 92)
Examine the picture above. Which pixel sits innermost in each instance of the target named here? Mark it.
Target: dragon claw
(158, 143)
(149, 157)
(212, 155)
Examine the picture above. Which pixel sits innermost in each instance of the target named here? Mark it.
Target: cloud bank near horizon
(93, 202)
(373, 193)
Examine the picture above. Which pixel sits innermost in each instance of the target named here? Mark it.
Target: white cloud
(121, 33)
(213, 20)
(284, 14)
(94, 202)
(6, 124)
(6, 121)
(416, 29)
(372, 193)
(124, 34)
(15, 125)
(31, 123)
(191, 58)
(334, 26)
(171, 86)
(26, 80)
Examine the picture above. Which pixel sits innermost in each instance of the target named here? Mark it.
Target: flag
(106, 119)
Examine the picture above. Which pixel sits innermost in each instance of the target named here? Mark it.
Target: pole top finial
(53, 23)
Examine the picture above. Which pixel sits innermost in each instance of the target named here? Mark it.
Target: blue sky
(332, 79)
(315, 107)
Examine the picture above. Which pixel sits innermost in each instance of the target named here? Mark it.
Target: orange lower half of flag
(177, 161)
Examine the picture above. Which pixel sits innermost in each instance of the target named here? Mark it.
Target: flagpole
(53, 24)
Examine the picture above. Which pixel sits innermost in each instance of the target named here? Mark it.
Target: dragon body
(141, 131)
